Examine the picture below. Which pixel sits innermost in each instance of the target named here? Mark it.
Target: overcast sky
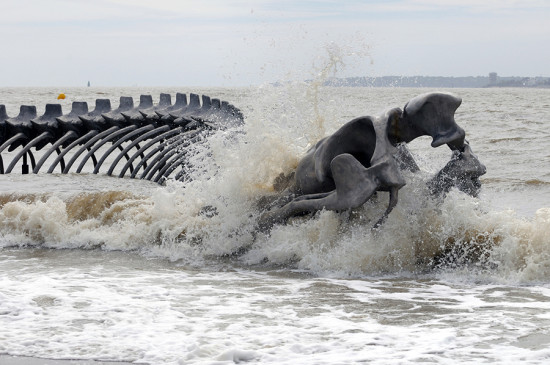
(240, 43)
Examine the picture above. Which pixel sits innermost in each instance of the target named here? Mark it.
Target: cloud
(236, 42)
(448, 7)
(82, 10)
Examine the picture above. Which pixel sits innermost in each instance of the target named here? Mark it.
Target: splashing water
(323, 289)
(215, 213)
(329, 68)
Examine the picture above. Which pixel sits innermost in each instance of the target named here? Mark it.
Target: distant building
(491, 80)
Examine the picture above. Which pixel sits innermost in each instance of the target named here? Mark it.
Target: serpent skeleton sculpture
(367, 154)
(340, 172)
(166, 129)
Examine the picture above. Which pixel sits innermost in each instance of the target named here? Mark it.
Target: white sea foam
(122, 307)
(233, 170)
(172, 221)
(458, 280)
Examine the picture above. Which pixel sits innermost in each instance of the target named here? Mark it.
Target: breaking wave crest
(216, 217)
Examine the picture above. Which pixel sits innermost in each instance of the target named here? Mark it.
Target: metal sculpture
(76, 137)
(367, 154)
(340, 172)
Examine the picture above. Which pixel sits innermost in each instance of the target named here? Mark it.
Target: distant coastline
(492, 80)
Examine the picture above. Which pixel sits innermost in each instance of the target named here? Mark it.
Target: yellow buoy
(61, 96)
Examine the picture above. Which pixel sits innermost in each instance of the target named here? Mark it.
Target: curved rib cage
(153, 139)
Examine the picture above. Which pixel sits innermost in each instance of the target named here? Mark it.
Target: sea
(97, 268)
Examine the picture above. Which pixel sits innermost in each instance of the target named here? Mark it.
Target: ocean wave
(515, 182)
(214, 214)
(536, 182)
(505, 139)
(421, 235)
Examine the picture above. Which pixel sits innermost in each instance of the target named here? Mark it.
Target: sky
(240, 43)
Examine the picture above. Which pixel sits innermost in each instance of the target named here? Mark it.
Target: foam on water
(438, 282)
(156, 283)
(115, 306)
(215, 213)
